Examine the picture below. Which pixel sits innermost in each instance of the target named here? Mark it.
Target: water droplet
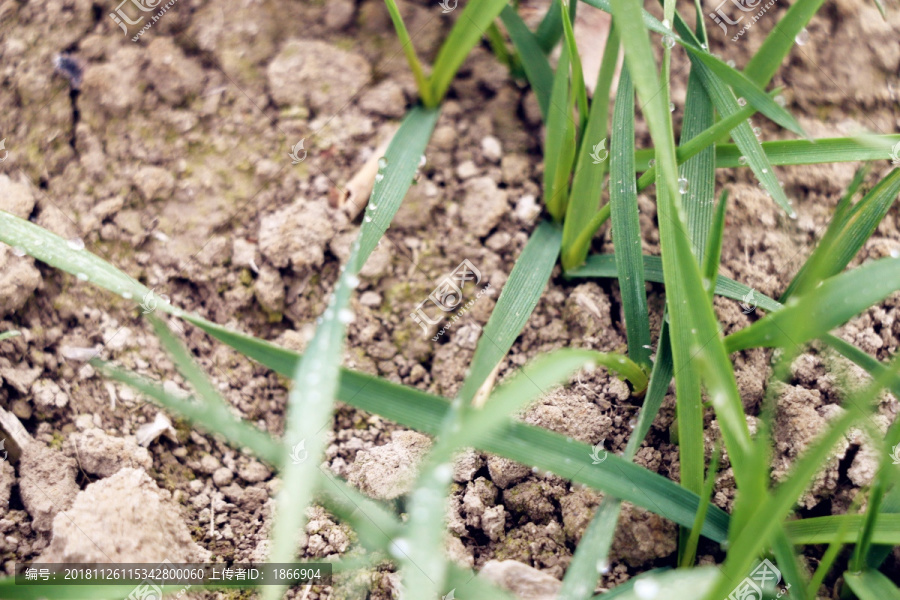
(780, 100)
(742, 160)
(422, 161)
(379, 176)
(742, 102)
(382, 162)
(704, 46)
(793, 215)
(683, 185)
(443, 472)
(127, 295)
(765, 171)
(631, 424)
(603, 566)
(82, 276)
(353, 281)
(646, 589)
(895, 253)
(666, 24)
(757, 131)
(730, 63)
(368, 219)
(668, 41)
(75, 244)
(802, 37)
(345, 315)
(38, 242)
(651, 163)
(399, 548)
(18, 251)
(671, 107)
(373, 207)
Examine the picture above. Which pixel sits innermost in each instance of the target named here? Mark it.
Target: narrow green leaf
(466, 426)
(872, 585)
(626, 225)
(699, 171)
(476, 17)
(693, 147)
(745, 88)
(211, 417)
(842, 529)
(9, 334)
(604, 265)
(411, 57)
(884, 477)
(559, 147)
(514, 306)
(401, 161)
(690, 549)
(309, 408)
(676, 584)
(578, 88)
(534, 61)
(535, 379)
(791, 152)
(743, 135)
(592, 553)
(550, 29)
(780, 41)
(846, 235)
(713, 252)
(813, 314)
(582, 215)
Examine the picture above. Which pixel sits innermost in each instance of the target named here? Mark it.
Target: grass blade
(811, 315)
(690, 547)
(846, 235)
(310, 404)
(514, 306)
(587, 182)
(692, 147)
(534, 61)
(842, 529)
(212, 417)
(476, 17)
(604, 265)
(746, 88)
(699, 171)
(770, 513)
(578, 88)
(592, 553)
(465, 426)
(797, 152)
(626, 225)
(713, 253)
(559, 147)
(550, 30)
(743, 135)
(780, 41)
(412, 58)
(401, 161)
(871, 585)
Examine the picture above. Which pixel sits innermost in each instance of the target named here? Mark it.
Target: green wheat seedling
(583, 157)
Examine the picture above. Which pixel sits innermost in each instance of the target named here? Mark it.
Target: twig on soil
(353, 198)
